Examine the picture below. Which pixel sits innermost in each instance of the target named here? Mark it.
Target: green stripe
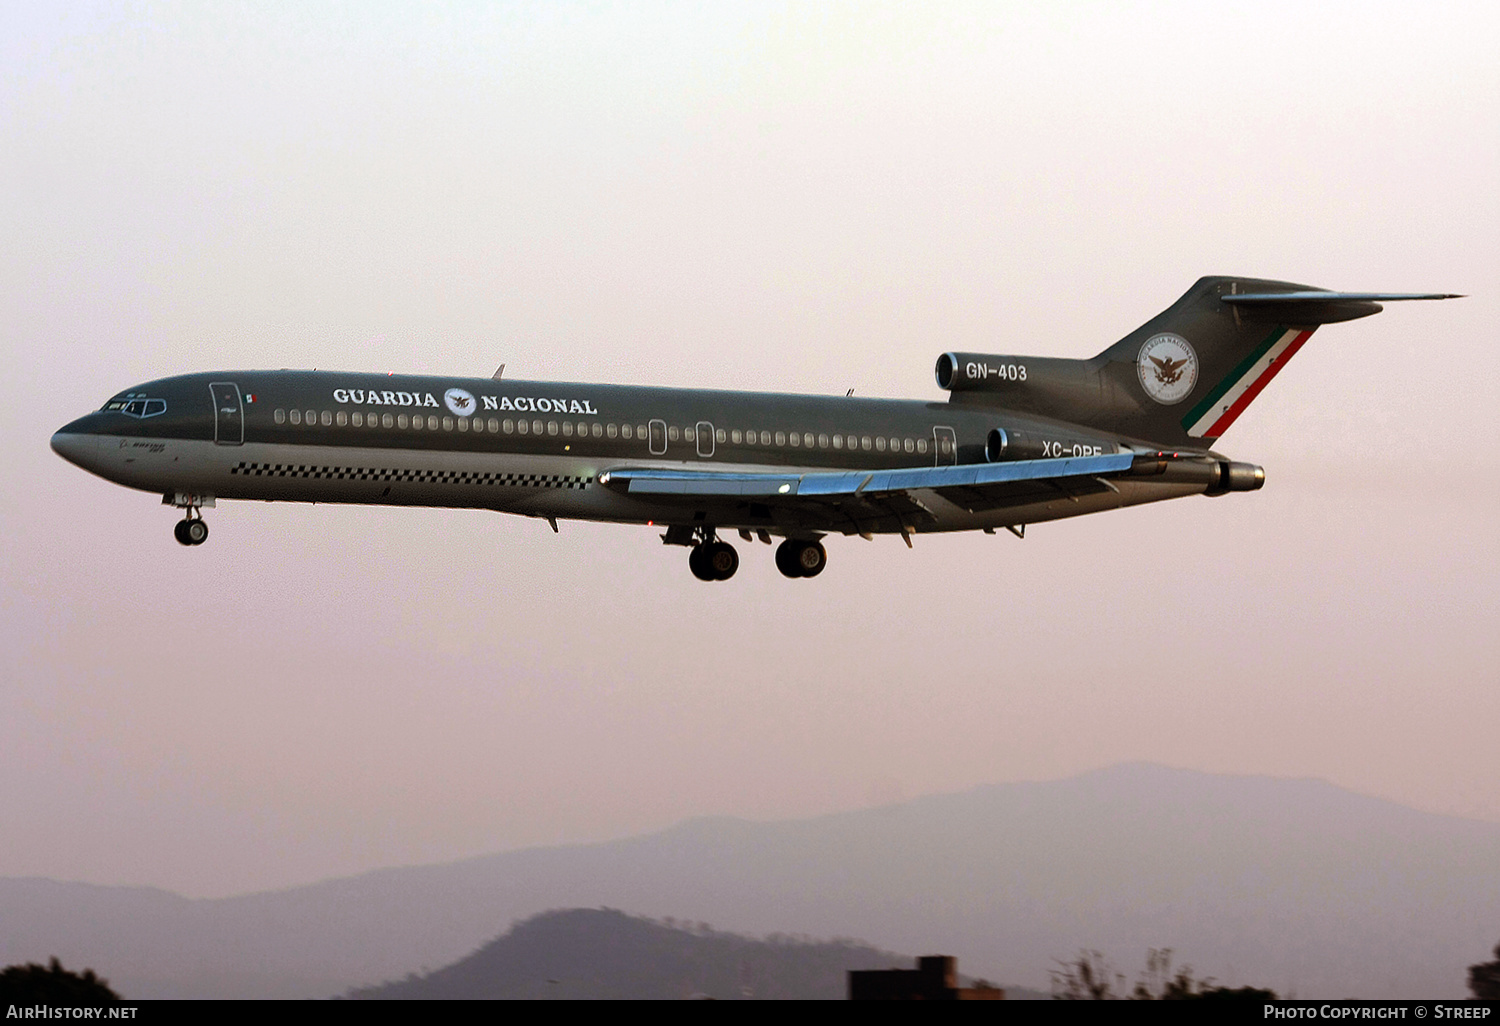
(1224, 386)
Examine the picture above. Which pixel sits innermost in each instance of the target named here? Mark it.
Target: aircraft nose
(77, 447)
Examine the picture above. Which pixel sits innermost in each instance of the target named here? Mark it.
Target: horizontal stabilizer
(1252, 298)
(1309, 307)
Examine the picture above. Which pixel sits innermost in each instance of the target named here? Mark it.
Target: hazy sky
(769, 196)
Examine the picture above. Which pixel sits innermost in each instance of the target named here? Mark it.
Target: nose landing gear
(193, 530)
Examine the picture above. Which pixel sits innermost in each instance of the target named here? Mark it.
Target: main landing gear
(795, 558)
(713, 561)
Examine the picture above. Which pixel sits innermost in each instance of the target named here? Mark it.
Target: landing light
(784, 489)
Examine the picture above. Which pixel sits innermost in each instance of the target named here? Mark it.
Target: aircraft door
(944, 447)
(705, 435)
(229, 413)
(658, 437)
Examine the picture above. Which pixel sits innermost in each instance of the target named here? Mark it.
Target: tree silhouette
(1484, 978)
(52, 984)
(1087, 977)
(1090, 977)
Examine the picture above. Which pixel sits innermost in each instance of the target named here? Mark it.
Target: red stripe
(1222, 424)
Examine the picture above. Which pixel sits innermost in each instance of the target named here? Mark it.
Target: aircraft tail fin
(1182, 378)
(1188, 373)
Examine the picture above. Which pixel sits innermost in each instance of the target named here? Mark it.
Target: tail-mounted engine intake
(1064, 389)
(969, 372)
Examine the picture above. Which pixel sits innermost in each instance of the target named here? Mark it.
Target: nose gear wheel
(193, 530)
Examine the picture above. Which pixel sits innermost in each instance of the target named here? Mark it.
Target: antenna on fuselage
(498, 371)
(848, 393)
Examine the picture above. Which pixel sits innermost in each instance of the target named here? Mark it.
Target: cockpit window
(133, 405)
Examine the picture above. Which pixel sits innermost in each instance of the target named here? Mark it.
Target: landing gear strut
(193, 530)
(796, 558)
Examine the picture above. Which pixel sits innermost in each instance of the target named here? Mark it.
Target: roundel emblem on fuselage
(459, 401)
(1168, 368)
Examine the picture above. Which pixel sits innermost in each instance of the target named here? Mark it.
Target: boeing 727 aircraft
(1021, 439)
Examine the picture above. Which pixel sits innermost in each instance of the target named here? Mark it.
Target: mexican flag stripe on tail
(1212, 417)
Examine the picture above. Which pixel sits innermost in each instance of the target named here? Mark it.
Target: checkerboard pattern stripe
(410, 476)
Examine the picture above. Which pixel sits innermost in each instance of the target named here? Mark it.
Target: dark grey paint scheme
(1077, 436)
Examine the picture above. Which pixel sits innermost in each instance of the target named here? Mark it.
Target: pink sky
(794, 198)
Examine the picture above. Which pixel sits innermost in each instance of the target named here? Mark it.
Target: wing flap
(880, 499)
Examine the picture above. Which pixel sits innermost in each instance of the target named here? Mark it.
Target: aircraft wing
(875, 499)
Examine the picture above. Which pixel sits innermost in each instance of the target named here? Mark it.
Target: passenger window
(688, 434)
(551, 427)
(864, 443)
(417, 422)
(721, 435)
(522, 426)
(765, 438)
(327, 419)
(909, 445)
(311, 416)
(736, 437)
(794, 440)
(536, 427)
(611, 430)
(880, 444)
(822, 441)
(838, 441)
(494, 425)
(921, 445)
(296, 416)
(341, 418)
(386, 420)
(462, 423)
(401, 420)
(280, 416)
(626, 431)
(507, 425)
(672, 433)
